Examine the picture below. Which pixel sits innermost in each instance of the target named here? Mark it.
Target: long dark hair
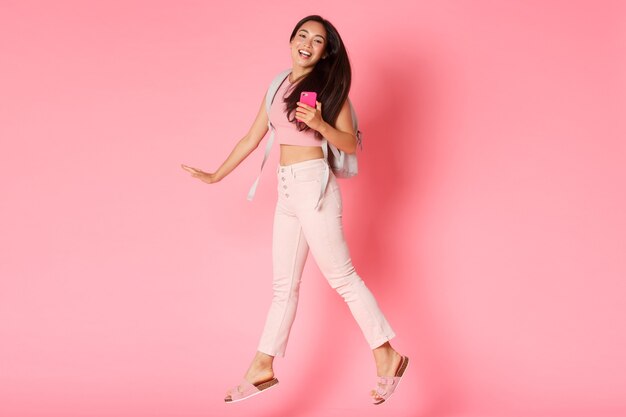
(330, 78)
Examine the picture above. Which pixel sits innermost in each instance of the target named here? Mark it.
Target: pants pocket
(308, 175)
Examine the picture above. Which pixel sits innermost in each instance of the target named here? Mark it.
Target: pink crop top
(286, 132)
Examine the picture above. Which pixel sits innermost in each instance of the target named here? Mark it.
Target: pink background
(488, 219)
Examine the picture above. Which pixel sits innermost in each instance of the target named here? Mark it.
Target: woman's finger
(304, 105)
(191, 169)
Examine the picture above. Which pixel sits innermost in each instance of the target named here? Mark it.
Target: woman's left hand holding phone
(312, 116)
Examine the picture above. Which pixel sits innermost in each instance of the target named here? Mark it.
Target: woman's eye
(318, 41)
(302, 36)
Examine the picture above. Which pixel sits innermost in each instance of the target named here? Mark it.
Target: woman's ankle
(263, 358)
(384, 350)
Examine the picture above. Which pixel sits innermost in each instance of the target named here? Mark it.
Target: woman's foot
(387, 363)
(260, 370)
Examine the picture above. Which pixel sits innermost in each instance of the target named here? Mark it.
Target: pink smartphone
(308, 97)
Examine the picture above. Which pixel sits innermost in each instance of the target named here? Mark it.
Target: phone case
(308, 97)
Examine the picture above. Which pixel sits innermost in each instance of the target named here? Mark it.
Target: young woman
(302, 221)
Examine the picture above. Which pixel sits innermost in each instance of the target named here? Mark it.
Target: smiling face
(308, 45)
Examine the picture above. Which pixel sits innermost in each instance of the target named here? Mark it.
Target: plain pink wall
(488, 219)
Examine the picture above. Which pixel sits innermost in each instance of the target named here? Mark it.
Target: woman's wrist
(217, 176)
(323, 128)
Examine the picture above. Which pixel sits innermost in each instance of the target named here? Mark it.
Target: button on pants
(298, 227)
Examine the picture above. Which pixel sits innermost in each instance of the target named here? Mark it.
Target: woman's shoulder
(280, 77)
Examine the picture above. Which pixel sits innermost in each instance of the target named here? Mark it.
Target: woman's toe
(229, 395)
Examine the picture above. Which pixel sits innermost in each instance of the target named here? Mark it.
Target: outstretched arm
(242, 149)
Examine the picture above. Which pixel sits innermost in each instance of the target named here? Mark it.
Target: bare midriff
(291, 154)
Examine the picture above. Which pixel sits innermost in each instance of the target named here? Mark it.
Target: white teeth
(305, 52)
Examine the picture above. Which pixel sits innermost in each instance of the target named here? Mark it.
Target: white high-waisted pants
(298, 227)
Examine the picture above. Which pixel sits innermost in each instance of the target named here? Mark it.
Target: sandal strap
(386, 385)
(387, 380)
(246, 389)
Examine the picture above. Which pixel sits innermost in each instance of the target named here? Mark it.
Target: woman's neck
(298, 73)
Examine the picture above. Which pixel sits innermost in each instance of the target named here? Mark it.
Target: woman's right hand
(207, 177)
